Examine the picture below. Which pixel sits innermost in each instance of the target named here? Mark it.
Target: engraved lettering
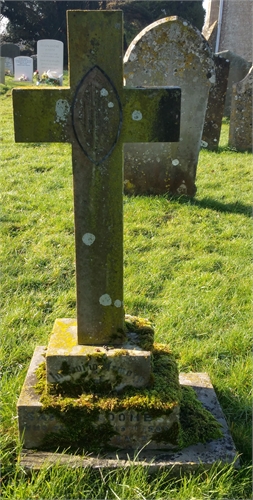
(134, 417)
(147, 417)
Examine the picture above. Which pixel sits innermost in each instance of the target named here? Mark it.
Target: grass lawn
(187, 267)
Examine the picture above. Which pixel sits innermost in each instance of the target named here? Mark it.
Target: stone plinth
(124, 421)
(188, 459)
(67, 361)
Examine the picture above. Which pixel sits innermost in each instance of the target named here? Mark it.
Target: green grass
(187, 267)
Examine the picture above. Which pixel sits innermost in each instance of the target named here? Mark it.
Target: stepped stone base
(124, 428)
(187, 460)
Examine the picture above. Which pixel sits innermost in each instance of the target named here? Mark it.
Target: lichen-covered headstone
(169, 52)
(240, 131)
(215, 105)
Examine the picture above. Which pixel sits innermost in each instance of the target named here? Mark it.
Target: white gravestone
(50, 57)
(9, 65)
(23, 68)
(169, 52)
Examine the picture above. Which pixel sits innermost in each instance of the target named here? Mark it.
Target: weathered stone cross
(96, 114)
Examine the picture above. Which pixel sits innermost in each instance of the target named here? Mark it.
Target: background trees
(33, 20)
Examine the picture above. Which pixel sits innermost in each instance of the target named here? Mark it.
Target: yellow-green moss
(142, 327)
(162, 396)
(79, 414)
(198, 425)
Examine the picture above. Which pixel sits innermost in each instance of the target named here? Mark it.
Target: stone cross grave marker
(96, 114)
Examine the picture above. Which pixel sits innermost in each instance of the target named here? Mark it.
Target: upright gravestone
(238, 69)
(240, 131)
(34, 58)
(169, 52)
(96, 115)
(9, 66)
(23, 68)
(50, 57)
(215, 105)
(2, 69)
(9, 51)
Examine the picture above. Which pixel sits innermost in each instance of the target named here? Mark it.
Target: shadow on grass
(236, 207)
(237, 412)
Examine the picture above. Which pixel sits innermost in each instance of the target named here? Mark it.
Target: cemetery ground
(187, 267)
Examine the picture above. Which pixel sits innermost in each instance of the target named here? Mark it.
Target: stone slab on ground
(187, 460)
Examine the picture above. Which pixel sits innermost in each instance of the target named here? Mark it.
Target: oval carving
(97, 115)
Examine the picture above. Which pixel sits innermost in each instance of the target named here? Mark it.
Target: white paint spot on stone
(88, 239)
(110, 105)
(175, 162)
(103, 92)
(136, 115)
(212, 79)
(105, 300)
(62, 110)
(117, 303)
(185, 23)
(204, 144)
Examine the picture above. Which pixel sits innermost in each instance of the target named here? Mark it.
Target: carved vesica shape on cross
(97, 115)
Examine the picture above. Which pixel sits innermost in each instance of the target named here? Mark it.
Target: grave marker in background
(50, 57)
(240, 131)
(169, 52)
(238, 69)
(23, 66)
(9, 66)
(2, 69)
(215, 105)
(9, 51)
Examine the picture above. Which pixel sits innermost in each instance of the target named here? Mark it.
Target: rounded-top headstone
(169, 52)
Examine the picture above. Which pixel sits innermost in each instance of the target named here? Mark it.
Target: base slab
(188, 459)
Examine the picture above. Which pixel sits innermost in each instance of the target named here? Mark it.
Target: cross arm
(151, 114)
(42, 115)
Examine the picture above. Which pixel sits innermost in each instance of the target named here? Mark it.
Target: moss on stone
(143, 330)
(198, 425)
(79, 413)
